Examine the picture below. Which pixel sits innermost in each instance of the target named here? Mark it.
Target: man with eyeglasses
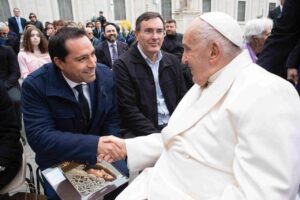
(150, 82)
(35, 22)
(9, 38)
(90, 35)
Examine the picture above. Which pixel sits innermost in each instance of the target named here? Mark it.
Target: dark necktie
(114, 53)
(83, 102)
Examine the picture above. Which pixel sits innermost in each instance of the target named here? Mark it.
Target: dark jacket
(103, 54)
(13, 25)
(137, 93)
(283, 39)
(274, 14)
(173, 44)
(97, 34)
(10, 146)
(54, 124)
(9, 67)
(38, 24)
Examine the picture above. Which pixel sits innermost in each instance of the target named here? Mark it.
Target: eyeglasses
(149, 31)
(32, 16)
(3, 34)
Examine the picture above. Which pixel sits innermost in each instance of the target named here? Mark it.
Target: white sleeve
(267, 161)
(144, 151)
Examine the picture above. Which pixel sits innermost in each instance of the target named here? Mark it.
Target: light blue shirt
(162, 110)
(18, 19)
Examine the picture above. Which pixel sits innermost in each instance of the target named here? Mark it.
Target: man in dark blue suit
(98, 31)
(110, 49)
(69, 103)
(16, 23)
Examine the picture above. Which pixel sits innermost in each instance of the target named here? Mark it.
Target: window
(4, 11)
(206, 6)
(166, 9)
(272, 6)
(119, 8)
(65, 9)
(241, 10)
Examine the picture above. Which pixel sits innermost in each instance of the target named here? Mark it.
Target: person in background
(49, 31)
(10, 147)
(102, 19)
(173, 44)
(255, 33)
(9, 38)
(58, 24)
(97, 30)
(108, 51)
(16, 23)
(9, 76)
(173, 40)
(35, 53)
(275, 13)
(93, 39)
(35, 22)
(283, 45)
(150, 82)
(89, 25)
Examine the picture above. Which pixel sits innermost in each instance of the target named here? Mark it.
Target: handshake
(111, 148)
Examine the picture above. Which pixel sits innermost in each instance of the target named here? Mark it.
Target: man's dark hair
(171, 21)
(57, 43)
(145, 17)
(113, 24)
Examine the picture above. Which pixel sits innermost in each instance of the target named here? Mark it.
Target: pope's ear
(215, 51)
(58, 62)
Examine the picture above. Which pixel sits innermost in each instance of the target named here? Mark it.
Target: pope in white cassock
(234, 136)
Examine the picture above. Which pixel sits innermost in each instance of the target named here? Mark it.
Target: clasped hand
(111, 148)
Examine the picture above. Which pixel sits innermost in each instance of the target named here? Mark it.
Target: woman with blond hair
(35, 52)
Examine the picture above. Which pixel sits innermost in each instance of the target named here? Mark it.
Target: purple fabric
(251, 52)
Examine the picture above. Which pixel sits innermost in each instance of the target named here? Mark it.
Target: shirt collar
(110, 43)
(159, 56)
(72, 84)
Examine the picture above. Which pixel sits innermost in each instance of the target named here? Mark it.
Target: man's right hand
(111, 148)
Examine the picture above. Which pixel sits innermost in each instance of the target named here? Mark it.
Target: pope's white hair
(207, 33)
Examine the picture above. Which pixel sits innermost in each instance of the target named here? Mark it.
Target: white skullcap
(226, 25)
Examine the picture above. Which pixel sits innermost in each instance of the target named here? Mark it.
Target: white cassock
(237, 139)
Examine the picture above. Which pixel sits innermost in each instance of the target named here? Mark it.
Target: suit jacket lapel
(107, 52)
(57, 85)
(197, 103)
(119, 48)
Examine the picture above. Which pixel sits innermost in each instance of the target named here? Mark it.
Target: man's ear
(215, 51)
(59, 63)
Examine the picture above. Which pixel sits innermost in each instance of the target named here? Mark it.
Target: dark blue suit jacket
(53, 120)
(103, 54)
(13, 25)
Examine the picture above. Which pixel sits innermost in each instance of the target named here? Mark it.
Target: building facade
(117, 10)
